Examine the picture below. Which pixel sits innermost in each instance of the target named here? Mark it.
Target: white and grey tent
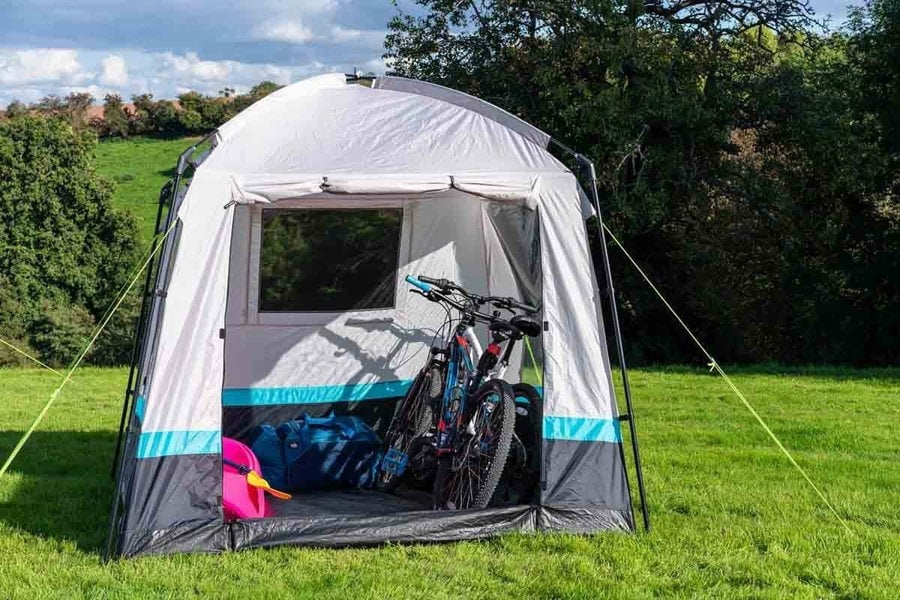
(462, 190)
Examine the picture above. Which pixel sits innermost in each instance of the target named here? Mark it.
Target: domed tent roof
(326, 126)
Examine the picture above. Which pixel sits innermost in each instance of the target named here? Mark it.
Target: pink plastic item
(240, 500)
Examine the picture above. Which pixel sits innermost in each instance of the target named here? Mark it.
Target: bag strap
(331, 421)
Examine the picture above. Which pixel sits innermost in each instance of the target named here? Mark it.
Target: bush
(64, 250)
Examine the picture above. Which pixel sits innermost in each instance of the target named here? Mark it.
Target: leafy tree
(730, 154)
(115, 118)
(64, 250)
(77, 105)
(155, 116)
(263, 89)
(15, 109)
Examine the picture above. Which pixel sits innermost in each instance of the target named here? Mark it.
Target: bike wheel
(521, 478)
(468, 478)
(412, 418)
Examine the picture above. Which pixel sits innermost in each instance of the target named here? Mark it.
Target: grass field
(140, 167)
(731, 518)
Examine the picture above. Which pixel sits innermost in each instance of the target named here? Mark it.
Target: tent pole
(138, 335)
(617, 331)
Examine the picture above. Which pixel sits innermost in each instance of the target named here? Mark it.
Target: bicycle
(457, 420)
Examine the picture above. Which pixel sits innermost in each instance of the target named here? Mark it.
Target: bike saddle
(526, 325)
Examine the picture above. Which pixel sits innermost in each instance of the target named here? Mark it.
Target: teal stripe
(314, 394)
(154, 444)
(582, 429)
(140, 407)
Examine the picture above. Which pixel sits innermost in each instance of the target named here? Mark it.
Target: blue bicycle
(457, 421)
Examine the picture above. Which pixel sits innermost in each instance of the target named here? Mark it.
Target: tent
(232, 334)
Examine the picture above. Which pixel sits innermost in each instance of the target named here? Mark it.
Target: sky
(167, 47)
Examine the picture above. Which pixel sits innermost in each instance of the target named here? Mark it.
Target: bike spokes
(474, 468)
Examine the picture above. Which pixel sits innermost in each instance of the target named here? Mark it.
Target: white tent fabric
(328, 142)
(439, 92)
(327, 131)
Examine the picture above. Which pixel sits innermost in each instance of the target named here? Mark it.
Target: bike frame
(463, 349)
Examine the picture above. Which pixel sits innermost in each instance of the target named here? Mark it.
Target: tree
(263, 89)
(64, 250)
(155, 116)
(729, 155)
(77, 105)
(115, 118)
(16, 109)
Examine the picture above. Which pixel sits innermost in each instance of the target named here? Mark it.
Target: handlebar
(420, 282)
(511, 303)
(431, 286)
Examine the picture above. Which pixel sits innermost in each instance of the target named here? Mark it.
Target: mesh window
(328, 260)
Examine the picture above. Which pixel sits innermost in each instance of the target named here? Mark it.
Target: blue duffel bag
(312, 453)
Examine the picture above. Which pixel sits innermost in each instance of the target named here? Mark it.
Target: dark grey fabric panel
(194, 536)
(171, 493)
(239, 421)
(345, 503)
(358, 530)
(583, 519)
(585, 474)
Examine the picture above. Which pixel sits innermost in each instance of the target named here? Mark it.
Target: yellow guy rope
(138, 268)
(30, 357)
(537, 369)
(77, 362)
(714, 366)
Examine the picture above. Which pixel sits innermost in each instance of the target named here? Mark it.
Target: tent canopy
(460, 189)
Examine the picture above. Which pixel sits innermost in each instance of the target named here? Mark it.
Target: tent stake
(617, 332)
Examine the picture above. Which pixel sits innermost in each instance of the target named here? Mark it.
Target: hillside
(140, 166)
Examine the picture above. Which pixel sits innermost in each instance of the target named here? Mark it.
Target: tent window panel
(328, 260)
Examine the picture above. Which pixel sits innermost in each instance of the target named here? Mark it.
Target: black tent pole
(617, 332)
(139, 329)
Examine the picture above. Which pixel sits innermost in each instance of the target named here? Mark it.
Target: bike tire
(521, 479)
(413, 418)
(449, 481)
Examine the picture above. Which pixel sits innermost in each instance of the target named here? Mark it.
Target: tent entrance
(319, 318)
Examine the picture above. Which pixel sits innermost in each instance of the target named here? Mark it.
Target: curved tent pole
(617, 330)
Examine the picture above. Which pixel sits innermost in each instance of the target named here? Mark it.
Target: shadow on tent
(63, 488)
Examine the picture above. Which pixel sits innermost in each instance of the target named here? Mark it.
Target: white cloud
(205, 70)
(22, 67)
(115, 71)
(295, 7)
(376, 65)
(371, 37)
(292, 32)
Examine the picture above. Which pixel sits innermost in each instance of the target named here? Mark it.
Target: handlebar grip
(525, 307)
(425, 287)
(441, 283)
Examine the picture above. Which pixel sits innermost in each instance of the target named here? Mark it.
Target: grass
(140, 167)
(730, 516)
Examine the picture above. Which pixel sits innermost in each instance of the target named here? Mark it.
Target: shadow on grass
(836, 372)
(65, 490)
(168, 173)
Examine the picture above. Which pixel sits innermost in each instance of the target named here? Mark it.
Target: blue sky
(169, 46)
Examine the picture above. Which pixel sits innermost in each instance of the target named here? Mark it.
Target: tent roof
(324, 126)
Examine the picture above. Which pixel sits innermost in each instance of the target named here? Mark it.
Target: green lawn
(140, 167)
(731, 518)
